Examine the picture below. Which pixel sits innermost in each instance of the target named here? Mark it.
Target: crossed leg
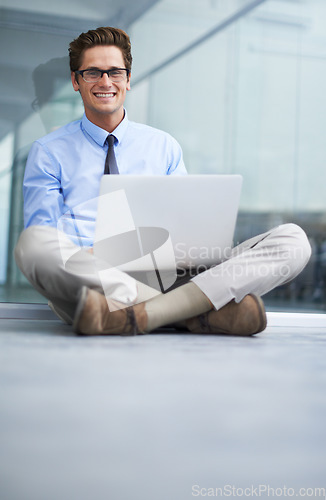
(222, 294)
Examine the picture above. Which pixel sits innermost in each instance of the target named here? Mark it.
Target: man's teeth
(111, 94)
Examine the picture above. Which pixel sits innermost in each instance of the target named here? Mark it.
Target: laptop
(153, 226)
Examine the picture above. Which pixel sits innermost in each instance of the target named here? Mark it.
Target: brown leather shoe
(93, 316)
(248, 317)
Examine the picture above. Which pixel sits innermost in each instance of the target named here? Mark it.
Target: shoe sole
(82, 297)
(262, 313)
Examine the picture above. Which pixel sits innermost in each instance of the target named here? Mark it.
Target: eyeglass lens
(94, 75)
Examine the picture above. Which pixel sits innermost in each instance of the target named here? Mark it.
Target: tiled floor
(164, 416)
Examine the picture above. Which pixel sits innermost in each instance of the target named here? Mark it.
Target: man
(62, 177)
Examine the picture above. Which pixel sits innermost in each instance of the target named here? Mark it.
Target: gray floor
(164, 416)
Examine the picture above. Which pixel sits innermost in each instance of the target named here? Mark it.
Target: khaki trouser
(58, 269)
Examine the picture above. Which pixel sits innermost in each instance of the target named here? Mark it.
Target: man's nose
(105, 80)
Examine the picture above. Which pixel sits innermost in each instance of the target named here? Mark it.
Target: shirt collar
(99, 135)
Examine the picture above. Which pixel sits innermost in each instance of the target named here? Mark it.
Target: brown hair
(100, 36)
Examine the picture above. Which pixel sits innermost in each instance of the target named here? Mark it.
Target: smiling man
(103, 93)
(62, 180)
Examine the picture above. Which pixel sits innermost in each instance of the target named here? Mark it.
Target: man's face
(104, 99)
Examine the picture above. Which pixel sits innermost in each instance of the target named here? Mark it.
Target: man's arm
(176, 164)
(43, 199)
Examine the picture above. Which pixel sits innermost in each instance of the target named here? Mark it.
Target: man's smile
(105, 95)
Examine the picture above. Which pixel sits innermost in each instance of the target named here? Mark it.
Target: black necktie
(111, 166)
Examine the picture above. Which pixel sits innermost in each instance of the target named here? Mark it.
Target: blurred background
(239, 83)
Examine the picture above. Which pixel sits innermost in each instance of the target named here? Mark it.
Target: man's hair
(100, 36)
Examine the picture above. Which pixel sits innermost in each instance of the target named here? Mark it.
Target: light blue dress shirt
(64, 169)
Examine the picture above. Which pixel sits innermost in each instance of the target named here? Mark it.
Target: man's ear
(128, 82)
(74, 81)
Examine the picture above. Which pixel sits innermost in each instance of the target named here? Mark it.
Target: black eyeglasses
(95, 75)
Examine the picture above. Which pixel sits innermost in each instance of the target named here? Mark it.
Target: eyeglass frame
(102, 71)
